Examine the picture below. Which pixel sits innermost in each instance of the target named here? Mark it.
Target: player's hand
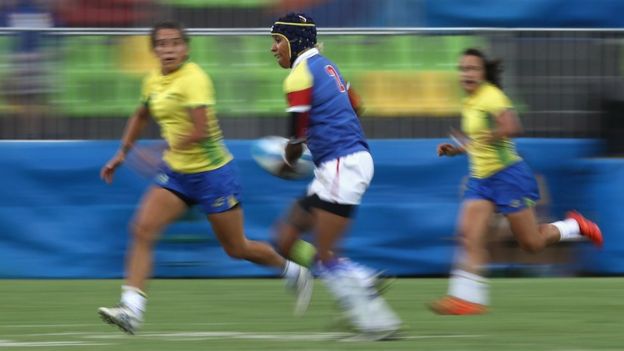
(447, 149)
(107, 172)
(287, 171)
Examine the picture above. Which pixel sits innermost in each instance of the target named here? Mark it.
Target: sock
(303, 253)
(336, 280)
(291, 271)
(468, 286)
(568, 229)
(134, 299)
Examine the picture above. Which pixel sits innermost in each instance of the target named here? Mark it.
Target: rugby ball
(268, 152)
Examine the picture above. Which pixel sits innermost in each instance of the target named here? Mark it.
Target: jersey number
(332, 72)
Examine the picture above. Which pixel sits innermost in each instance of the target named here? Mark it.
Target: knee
(469, 244)
(532, 246)
(143, 232)
(238, 252)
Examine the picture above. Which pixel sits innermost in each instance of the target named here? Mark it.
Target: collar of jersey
(174, 73)
(470, 98)
(306, 55)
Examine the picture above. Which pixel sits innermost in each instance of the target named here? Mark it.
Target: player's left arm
(507, 125)
(199, 117)
(506, 121)
(355, 100)
(198, 100)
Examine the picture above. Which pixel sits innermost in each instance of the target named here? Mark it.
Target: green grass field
(528, 314)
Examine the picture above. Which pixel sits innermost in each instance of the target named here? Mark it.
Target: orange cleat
(451, 305)
(588, 228)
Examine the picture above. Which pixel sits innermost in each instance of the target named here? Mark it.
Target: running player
(198, 169)
(322, 116)
(500, 181)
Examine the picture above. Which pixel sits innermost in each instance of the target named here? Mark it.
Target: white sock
(291, 270)
(468, 286)
(134, 299)
(568, 230)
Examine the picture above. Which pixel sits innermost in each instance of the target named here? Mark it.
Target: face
(281, 51)
(170, 48)
(471, 72)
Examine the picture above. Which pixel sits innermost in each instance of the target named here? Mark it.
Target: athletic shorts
(217, 190)
(343, 180)
(511, 189)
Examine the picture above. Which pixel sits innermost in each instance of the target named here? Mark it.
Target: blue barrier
(58, 220)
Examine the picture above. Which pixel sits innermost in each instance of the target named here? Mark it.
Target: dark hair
(168, 25)
(493, 68)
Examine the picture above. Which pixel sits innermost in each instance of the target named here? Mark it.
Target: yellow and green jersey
(479, 114)
(169, 98)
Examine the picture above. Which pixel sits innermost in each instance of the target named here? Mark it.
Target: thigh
(474, 219)
(524, 225)
(514, 189)
(228, 227)
(218, 190)
(158, 208)
(329, 228)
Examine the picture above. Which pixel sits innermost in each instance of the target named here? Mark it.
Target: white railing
(322, 31)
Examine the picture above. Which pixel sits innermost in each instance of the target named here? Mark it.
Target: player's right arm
(133, 129)
(298, 89)
(461, 142)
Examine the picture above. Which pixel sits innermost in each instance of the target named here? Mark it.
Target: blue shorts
(217, 190)
(511, 189)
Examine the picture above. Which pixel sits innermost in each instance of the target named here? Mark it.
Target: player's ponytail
(493, 68)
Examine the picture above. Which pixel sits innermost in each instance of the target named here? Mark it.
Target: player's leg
(518, 192)
(334, 196)
(298, 221)
(534, 237)
(353, 285)
(468, 289)
(158, 208)
(229, 230)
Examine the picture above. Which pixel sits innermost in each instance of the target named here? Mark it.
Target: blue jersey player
(323, 117)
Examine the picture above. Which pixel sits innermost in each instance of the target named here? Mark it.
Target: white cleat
(122, 317)
(302, 287)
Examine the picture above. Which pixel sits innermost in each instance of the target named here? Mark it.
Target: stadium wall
(58, 220)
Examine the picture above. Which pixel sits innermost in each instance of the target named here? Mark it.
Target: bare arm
(507, 125)
(133, 129)
(199, 116)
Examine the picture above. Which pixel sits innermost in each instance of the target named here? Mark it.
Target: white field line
(79, 325)
(12, 343)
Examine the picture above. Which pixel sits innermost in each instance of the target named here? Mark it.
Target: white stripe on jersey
(301, 108)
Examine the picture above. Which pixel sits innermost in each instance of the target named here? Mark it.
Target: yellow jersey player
(197, 170)
(500, 181)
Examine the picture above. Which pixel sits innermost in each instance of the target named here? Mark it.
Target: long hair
(493, 68)
(168, 25)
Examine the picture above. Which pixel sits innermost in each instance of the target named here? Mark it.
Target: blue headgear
(299, 30)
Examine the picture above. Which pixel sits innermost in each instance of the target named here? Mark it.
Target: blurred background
(71, 73)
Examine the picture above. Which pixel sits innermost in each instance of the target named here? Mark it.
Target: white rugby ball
(268, 152)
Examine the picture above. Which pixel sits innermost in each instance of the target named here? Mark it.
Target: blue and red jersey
(325, 116)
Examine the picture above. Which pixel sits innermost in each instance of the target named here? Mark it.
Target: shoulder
(492, 91)
(194, 71)
(150, 77)
(299, 78)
